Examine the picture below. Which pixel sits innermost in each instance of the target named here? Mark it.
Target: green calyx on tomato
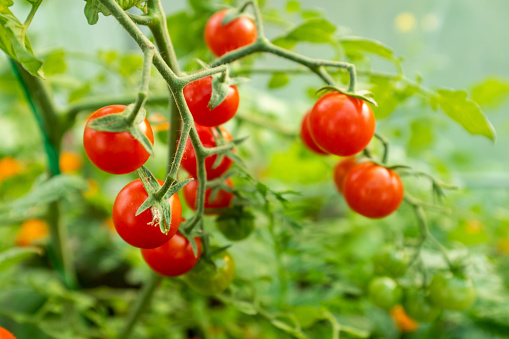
(418, 306)
(212, 275)
(391, 262)
(235, 223)
(452, 292)
(115, 141)
(215, 197)
(384, 292)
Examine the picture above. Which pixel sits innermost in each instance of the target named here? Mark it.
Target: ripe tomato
(237, 33)
(384, 292)
(418, 306)
(341, 125)
(306, 138)
(207, 138)
(452, 292)
(138, 231)
(341, 170)
(4, 334)
(373, 191)
(391, 262)
(197, 95)
(174, 257)
(403, 322)
(209, 279)
(32, 231)
(222, 199)
(115, 152)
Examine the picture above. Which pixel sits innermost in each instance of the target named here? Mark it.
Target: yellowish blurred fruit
(93, 188)
(405, 22)
(403, 322)
(9, 167)
(31, 232)
(159, 122)
(70, 162)
(109, 225)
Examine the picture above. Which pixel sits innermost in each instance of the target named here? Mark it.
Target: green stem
(143, 300)
(43, 109)
(31, 14)
(145, 80)
(385, 144)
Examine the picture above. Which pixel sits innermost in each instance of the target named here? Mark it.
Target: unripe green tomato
(207, 279)
(236, 227)
(384, 292)
(452, 292)
(418, 306)
(391, 262)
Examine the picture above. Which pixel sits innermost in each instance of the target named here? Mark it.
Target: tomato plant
(115, 152)
(198, 94)
(142, 230)
(341, 125)
(208, 137)
(237, 33)
(236, 224)
(212, 276)
(418, 306)
(391, 262)
(175, 257)
(221, 199)
(372, 190)
(452, 292)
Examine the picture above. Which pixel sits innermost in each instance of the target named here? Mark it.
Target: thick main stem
(45, 113)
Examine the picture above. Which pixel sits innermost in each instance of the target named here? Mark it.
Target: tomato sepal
(361, 94)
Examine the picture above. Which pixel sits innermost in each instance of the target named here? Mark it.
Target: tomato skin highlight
(373, 191)
(341, 125)
(341, 170)
(237, 33)
(136, 230)
(174, 257)
(207, 279)
(206, 135)
(306, 137)
(452, 292)
(115, 152)
(222, 199)
(197, 95)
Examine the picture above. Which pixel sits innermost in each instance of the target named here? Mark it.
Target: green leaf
(15, 43)
(79, 93)
(15, 255)
(55, 63)
(92, 10)
(130, 64)
(356, 44)
(284, 43)
(491, 93)
(245, 307)
(278, 79)
(422, 135)
(316, 30)
(465, 112)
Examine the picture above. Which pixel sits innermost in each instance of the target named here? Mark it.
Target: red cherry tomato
(306, 136)
(222, 199)
(4, 334)
(341, 170)
(173, 258)
(115, 152)
(137, 230)
(341, 125)
(237, 33)
(206, 135)
(197, 95)
(373, 191)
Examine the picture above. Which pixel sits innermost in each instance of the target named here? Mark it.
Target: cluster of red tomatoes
(343, 125)
(171, 253)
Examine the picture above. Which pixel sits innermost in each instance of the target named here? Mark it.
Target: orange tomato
(4, 334)
(159, 122)
(403, 322)
(70, 162)
(9, 167)
(32, 231)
